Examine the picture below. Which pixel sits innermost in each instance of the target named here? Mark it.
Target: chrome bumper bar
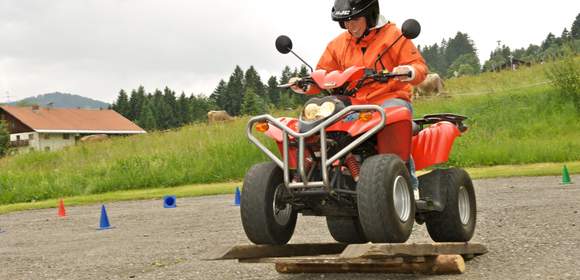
(300, 137)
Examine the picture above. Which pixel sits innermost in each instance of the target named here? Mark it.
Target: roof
(60, 120)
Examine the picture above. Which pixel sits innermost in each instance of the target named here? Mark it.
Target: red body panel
(433, 144)
(357, 127)
(336, 78)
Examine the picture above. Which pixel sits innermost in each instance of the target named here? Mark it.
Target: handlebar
(382, 77)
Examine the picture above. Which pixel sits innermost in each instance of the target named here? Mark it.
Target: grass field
(515, 124)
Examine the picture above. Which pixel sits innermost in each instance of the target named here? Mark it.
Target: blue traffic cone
(104, 223)
(238, 197)
(169, 201)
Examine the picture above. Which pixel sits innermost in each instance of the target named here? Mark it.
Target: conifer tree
(235, 92)
(121, 106)
(147, 119)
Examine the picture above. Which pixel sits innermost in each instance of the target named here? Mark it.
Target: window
(65, 136)
(17, 137)
(30, 136)
(47, 148)
(46, 136)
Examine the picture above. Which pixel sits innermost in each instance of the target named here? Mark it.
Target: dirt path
(530, 225)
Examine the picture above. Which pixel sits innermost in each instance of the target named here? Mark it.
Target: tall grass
(195, 154)
(507, 127)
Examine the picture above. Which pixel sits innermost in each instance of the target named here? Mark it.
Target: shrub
(4, 138)
(564, 75)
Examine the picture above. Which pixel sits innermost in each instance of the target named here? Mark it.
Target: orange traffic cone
(61, 210)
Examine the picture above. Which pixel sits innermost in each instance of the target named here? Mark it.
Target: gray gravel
(530, 225)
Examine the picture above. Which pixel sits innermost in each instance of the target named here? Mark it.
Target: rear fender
(433, 144)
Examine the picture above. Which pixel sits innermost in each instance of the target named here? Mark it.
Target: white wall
(55, 141)
(39, 141)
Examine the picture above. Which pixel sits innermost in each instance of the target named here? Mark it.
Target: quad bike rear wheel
(456, 223)
(265, 217)
(385, 200)
(346, 229)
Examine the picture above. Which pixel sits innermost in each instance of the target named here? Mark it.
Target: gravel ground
(531, 227)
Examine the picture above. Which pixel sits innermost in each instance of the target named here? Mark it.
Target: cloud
(96, 47)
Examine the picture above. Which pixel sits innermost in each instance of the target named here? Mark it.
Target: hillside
(62, 100)
(519, 122)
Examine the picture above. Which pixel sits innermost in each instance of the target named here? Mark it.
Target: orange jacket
(344, 51)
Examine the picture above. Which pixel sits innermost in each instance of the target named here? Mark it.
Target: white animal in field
(218, 116)
(94, 138)
(432, 86)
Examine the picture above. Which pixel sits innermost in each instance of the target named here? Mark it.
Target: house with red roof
(50, 129)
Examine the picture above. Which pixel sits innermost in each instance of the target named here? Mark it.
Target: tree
(4, 138)
(183, 110)
(172, 111)
(136, 102)
(565, 35)
(147, 119)
(161, 110)
(575, 30)
(235, 92)
(200, 105)
(467, 64)
(285, 94)
(121, 106)
(550, 40)
(219, 95)
(252, 105)
(273, 91)
(252, 80)
(459, 45)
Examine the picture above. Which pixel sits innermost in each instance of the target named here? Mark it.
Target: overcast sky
(95, 48)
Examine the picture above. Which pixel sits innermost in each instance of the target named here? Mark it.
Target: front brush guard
(300, 137)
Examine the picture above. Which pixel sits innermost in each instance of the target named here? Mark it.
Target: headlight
(310, 111)
(313, 112)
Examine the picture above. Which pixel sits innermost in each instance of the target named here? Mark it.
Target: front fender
(357, 127)
(276, 133)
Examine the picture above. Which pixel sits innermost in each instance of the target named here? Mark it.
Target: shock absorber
(353, 166)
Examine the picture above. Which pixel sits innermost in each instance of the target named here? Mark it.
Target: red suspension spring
(353, 166)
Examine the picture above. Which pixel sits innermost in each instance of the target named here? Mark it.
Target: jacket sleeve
(328, 59)
(408, 54)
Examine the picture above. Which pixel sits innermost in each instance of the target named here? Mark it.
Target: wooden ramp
(425, 258)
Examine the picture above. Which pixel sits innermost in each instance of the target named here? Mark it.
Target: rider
(368, 35)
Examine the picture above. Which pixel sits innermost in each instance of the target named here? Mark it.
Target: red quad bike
(349, 162)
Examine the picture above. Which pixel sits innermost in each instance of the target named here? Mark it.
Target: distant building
(50, 129)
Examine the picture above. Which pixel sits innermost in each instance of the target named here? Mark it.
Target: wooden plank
(441, 264)
(428, 249)
(330, 259)
(269, 251)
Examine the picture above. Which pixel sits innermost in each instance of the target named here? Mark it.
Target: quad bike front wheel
(385, 200)
(456, 223)
(265, 218)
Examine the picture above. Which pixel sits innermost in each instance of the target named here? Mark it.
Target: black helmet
(344, 10)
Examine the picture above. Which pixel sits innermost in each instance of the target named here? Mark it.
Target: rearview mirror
(283, 44)
(411, 29)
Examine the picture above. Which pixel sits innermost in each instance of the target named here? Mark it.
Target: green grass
(542, 169)
(509, 126)
(512, 127)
